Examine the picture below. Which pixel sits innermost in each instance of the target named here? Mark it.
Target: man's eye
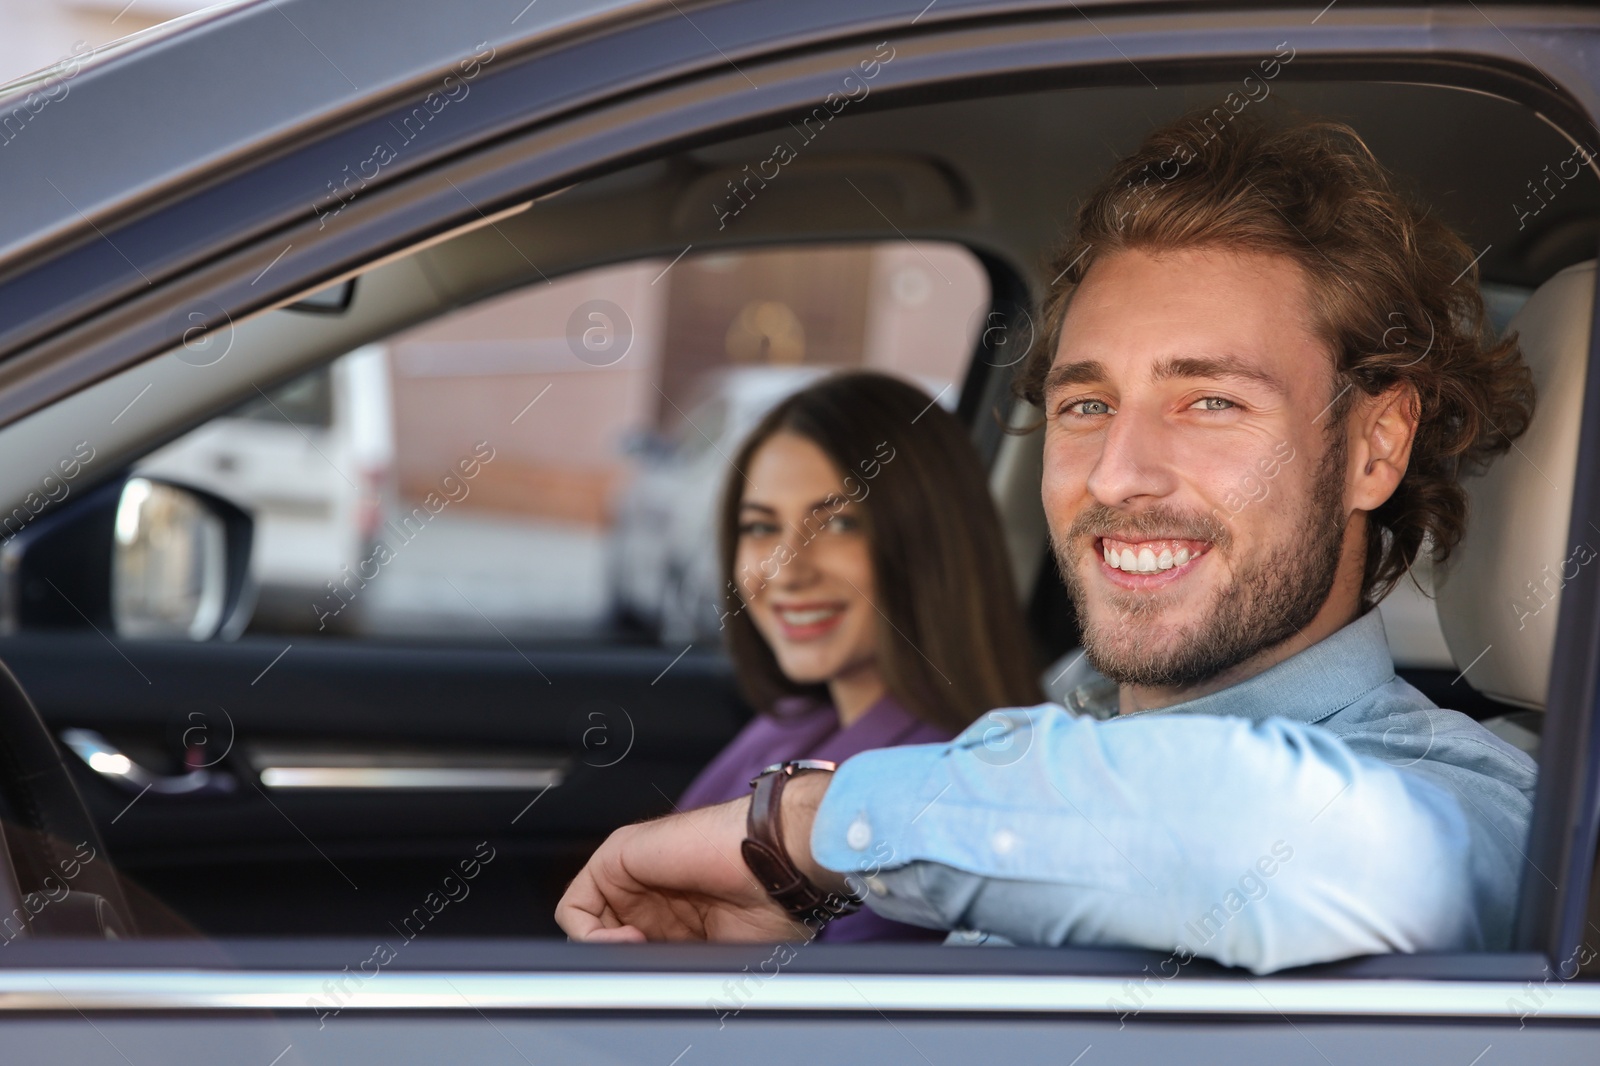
(1087, 408)
(1212, 403)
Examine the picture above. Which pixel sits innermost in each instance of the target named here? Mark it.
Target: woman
(869, 601)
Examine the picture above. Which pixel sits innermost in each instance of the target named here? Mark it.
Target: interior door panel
(625, 727)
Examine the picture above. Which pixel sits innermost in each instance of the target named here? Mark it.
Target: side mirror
(140, 557)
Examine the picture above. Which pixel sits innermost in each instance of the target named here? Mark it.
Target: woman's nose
(799, 565)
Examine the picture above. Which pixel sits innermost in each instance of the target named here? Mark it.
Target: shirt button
(1003, 842)
(877, 887)
(859, 835)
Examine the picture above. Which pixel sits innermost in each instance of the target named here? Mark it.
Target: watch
(764, 852)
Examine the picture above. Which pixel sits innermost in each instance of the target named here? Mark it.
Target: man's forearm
(801, 798)
(1199, 831)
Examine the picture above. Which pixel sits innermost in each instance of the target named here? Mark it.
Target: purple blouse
(801, 728)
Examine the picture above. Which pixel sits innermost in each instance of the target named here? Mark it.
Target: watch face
(768, 868)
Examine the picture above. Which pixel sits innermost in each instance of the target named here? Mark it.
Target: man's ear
(1383, 428)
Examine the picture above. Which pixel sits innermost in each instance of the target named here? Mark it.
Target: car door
(661, 79)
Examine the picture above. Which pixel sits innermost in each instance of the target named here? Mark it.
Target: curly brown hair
(1394, 294)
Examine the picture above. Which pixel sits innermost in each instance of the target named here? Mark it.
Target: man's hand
(677, 878)
(682, 877)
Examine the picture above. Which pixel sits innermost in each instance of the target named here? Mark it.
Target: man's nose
(1134, 461)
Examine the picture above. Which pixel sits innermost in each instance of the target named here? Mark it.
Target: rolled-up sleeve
(1262, 844)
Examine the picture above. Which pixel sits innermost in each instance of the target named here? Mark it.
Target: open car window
(528, 483)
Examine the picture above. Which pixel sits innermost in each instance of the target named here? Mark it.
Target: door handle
(313, 766)
(101, 756)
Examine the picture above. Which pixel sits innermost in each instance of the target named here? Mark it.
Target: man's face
(1194, 492)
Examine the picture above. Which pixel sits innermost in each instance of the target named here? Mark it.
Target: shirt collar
(1318, 682)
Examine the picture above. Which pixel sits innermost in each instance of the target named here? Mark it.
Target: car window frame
(107, 329)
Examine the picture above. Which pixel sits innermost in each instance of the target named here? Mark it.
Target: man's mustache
(1155, 523)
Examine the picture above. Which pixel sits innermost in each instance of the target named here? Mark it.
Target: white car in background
(664, 568)
(311, 459)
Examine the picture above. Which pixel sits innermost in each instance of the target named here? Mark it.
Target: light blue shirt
(1321, 809)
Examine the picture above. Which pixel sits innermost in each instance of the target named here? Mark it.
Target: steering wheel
(55, 876)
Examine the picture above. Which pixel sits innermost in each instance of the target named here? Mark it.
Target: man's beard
(1271, 598)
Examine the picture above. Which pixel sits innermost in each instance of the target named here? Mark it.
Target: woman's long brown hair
(951, 639)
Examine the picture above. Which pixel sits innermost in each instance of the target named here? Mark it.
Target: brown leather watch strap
(764, 852)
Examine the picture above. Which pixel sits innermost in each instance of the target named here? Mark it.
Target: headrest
(1500, 592)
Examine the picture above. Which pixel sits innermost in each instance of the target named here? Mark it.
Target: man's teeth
(1146, 561)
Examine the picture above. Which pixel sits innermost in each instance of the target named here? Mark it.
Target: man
(1263, 380)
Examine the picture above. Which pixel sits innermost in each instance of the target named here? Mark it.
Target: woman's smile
(810, 620)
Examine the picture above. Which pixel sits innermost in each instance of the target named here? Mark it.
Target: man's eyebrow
(1220, 366)
(1073, 374)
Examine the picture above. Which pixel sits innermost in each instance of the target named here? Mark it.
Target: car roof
(206, 90)
(147, 112)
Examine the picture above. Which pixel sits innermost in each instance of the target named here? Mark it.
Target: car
(345, 847)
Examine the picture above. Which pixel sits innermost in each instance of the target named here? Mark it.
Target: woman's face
(802, 564)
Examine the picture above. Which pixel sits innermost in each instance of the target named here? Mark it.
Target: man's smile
(1148, 563)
